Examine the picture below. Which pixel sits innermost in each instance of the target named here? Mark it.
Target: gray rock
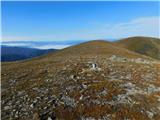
(31, 105)
(152, 89)
(81, 97)
(103, 93)
(84, 86)
(6, 108)
(69, 101)
(150, 114)
(49, 118)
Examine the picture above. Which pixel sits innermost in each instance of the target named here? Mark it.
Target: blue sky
(66, 21)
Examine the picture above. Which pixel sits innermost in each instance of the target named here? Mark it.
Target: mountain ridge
(148, 46)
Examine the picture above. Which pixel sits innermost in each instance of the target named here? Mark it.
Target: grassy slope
(144, 45)
(34, 73)
(91, 49)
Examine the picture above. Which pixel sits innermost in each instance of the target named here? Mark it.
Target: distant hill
(9, 53)
(91, 49)
(143, 45)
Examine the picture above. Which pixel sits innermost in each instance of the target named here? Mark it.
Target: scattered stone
(116, 84)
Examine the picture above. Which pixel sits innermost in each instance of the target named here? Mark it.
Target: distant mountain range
(10, 53)
(133, 46)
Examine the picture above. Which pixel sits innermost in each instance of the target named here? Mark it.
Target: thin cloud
(38, 46)
(14, 44)
(143, 26)
(146, 26)
(52, 46)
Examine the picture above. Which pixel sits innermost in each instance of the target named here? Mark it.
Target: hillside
(91, 49)
(10, 53)
(143, 45)
(96, 80)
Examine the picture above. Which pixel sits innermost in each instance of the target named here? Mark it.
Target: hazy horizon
(43, 44)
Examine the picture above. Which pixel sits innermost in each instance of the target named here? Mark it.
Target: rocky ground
(114, 88)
